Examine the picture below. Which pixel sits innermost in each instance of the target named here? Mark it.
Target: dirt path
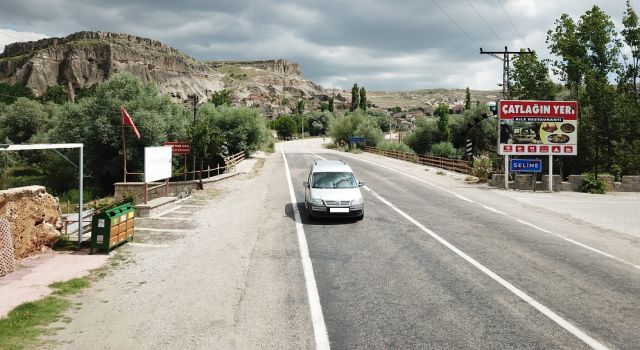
(225, 274)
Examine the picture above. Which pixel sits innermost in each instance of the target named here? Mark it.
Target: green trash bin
(112, 227)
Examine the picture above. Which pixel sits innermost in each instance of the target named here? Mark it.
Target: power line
(454, 22)
(485, 22)
(512, 24)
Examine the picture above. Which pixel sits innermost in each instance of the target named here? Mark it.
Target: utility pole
(195, 101)
(506, 65)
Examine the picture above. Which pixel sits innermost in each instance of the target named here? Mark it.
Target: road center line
(522, 295)
(319, 327)
(595, 250)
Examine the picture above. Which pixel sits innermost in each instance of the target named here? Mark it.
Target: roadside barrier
(7, 257)
(458, 165)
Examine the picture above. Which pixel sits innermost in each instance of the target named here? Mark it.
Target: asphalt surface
(385, 283)
(434, 264)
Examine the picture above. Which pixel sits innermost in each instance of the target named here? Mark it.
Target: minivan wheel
(309, 215)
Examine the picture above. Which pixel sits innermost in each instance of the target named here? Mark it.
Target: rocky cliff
(83, 59)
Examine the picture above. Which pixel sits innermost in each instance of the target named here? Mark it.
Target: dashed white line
(319, 327)
(513, 289)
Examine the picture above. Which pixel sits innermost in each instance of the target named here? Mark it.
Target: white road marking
(181, 212)
(148, 245)
(168, 211)
(162, 229)
(192, 206)
(166, 218)
(522, 295)
(597, 251)
(319, 327)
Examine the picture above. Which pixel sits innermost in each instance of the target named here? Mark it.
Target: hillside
(83, 59)
(428, 98)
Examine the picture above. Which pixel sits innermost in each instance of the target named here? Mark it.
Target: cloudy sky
(380, 44)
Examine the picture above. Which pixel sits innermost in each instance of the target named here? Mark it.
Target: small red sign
(568, 149)
(531, 148)
(179, 147)
(508, 148)
(544, 149)
(555, 149)
(519, 149)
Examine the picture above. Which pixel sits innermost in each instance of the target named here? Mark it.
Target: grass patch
(24, 324)
(69, 287)
(440, 172)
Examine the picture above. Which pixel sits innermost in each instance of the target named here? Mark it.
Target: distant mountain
(83, 59)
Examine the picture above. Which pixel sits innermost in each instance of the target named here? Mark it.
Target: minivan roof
(330, 166)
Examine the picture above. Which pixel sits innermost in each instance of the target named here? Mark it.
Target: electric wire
(455, 23)
(512, 24)
(485, 22)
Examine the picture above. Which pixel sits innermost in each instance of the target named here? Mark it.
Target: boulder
(34, 218)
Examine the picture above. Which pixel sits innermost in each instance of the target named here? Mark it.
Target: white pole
(550, 173)
(506, 171)
(80, 199)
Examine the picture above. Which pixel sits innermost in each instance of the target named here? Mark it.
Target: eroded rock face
(83, 59)
(34, 217)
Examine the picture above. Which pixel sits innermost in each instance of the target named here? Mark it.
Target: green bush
(394, 146)
(443, 149)
(593, 185)
(424, 136)
(482, 167)
(370, 130)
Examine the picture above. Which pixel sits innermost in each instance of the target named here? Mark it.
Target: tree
(300, 107)
(563, 41)
(96, 122)
(631, 33)
(370, 130)
(467, 99)
(424, 136)
(362, 104)
(331, 104)
(319, 122)
(531, 80)
(10, 93)
(355, 97)
(285, 126)
(55, 94)
(382, 118)
(442, 113)
(23, 119)
(222, 97)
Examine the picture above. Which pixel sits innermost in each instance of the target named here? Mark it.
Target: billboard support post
(550, 173)
(506, 171)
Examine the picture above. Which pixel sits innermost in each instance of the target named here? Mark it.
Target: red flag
(126, 120)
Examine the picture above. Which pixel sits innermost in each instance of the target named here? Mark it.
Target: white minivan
(331, 189)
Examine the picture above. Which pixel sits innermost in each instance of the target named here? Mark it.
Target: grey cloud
(353, 39)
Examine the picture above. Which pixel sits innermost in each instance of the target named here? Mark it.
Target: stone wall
(34, 218)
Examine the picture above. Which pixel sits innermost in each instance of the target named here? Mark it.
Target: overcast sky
(380, 44)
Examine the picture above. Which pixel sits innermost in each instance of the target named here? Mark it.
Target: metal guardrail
(458, 165)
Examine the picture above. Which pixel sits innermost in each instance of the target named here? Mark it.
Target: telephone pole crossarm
(506, 59)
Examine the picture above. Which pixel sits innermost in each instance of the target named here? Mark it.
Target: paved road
(386, 283)
(435, 264)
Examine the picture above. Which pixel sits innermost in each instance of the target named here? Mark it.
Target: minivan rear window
(334, 180)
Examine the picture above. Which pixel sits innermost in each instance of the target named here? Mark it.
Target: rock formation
(34, 218)
(83, 59)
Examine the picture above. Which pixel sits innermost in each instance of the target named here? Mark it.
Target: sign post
(537, 128)
(180, 147)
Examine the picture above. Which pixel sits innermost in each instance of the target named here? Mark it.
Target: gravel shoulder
(227, 277)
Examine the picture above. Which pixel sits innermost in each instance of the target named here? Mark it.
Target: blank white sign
(157, 163)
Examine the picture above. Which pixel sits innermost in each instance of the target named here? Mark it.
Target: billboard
(179, 147)
(157, 163)
(537, 127)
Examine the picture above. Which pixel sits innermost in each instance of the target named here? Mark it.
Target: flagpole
(124, 153)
